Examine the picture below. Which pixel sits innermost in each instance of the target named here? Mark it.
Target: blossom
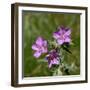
(39, 47)
(53, 58)
(62, 35)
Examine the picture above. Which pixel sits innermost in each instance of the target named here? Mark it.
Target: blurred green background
(44, 24)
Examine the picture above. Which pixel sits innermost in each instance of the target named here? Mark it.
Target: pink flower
(39, 47)
(62, 35)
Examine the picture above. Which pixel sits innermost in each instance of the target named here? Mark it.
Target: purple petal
(45, 43)
(67, 39)
(61, 30)
(44, 50)
(50, 64)
(46, 58)
(44, 47)
(34, 47)
(37, 54)
(55, 61)
(67, 33)
(39, 41)
(56, 35)
(60, 41)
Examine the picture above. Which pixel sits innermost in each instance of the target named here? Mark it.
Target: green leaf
(66, 49)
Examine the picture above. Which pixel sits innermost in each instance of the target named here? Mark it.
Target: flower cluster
(61, 37)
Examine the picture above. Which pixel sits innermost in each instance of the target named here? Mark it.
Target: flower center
(62, 37)
(52, 56)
